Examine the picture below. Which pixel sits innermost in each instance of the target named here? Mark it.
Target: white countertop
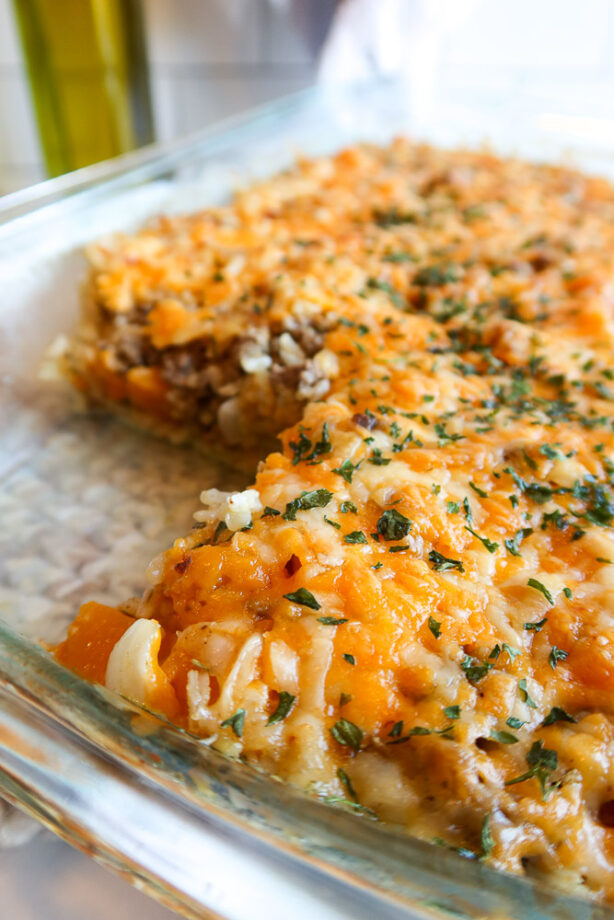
(46, 879)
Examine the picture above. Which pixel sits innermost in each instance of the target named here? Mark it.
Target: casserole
(26, 239)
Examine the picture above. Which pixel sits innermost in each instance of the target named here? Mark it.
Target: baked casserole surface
(411, 609)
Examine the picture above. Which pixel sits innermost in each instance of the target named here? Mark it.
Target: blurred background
(82, 80)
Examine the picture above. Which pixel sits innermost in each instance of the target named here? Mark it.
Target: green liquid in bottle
(88, 74)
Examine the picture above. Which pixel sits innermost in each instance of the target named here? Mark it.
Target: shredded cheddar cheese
(411, 609)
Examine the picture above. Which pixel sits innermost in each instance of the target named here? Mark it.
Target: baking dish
(199, 831)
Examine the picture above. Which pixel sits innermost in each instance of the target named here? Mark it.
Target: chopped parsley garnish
(452, 712)
(236, 722)
(376, 284)
(526, 696)
(270, 512)
(323, 446)
(475, 669)
(346, 782)
(300, 448)
(513, 722)
(434, 627)
(452, 507)
(303, 597)
(397, 257)
(356, 536)
(392, 217)
(346, 470)
(284, 706)
(346, 507)
(486, 838)
(537, 626)
(557, 714)
(319, 498)
(442, 564)
(221, 528)
(393, 525)
(376, 458)
(542, 762)
(443, 435)
(436, 275)
(567, 593)
(349, 658)
(538, 586)
(503, 737)
(556, 655)
(513, 544)
(332, 621)
(489, 544)
(348, 734)
(478, 491)
(332, 523)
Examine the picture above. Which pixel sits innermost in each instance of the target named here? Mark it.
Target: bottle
(87, 67)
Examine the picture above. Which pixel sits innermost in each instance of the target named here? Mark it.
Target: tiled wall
(211, 58)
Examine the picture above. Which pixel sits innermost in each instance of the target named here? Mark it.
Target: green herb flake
(346, 507)
(557, 714)
(503, 737)
(538, 586)
(319, 498)
(349, 658)
(542, 762)
(219, 530)
(475, 669)
(346, 782)
(356, 536)
(556, 655)
(513, 544)
(393, 525)
(452, 712)
(441, 563)
(303, 597)
(284, 706)
(486, 838)
(270, 512)
(346, 470)
(434, 627)
(513, 722)
(300, 448)
(376, 458)
(332, 621)
(537, 626)
(332, 523)
(490, 545)
(348, 734)
(236, 722)
(526, 696)
(478, 491)
(452, 507)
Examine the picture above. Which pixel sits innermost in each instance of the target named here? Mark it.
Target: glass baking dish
(203, 834)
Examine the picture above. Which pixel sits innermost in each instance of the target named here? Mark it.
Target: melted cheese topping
(411, 609)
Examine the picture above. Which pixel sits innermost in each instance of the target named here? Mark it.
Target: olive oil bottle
(87, 67)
